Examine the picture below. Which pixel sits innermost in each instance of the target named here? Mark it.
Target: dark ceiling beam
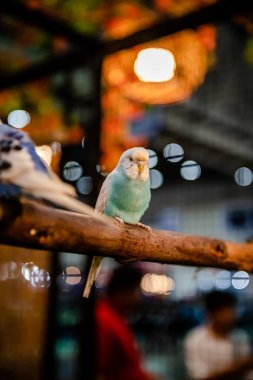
(87, 52)
(46, 22)
(56, 63)
(213, 13)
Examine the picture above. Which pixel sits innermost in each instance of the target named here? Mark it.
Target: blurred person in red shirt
(118, 357)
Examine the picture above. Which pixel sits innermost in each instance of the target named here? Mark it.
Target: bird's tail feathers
(65, 187)
(54, 190)
(69, 203)
(94, 270)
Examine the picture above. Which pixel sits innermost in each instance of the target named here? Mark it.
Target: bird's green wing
(103, 195)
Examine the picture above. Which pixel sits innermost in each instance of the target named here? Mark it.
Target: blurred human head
(221, 309)
(123, 288)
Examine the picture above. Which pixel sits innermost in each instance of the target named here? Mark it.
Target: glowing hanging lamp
(154, 65)
(164, 71)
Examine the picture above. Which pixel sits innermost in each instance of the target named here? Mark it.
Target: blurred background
(80, 72)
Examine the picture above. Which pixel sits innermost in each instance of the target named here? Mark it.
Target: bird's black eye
(130, 158)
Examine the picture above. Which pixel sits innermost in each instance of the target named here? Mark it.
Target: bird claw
(144, 226)
(121, 221)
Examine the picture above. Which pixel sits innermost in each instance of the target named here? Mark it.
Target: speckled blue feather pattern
(11, 136)
(24, 173)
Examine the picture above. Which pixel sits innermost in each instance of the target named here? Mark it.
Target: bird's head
(134, 163)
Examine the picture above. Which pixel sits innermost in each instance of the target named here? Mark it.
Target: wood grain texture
(33, 225)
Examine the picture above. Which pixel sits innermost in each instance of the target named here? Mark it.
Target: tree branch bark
(34, 225)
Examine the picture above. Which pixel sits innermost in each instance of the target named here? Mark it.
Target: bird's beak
(140, 167)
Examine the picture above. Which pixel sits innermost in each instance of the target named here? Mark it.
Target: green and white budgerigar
(125, 196)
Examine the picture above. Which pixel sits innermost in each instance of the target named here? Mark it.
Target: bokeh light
(157, 284)
(4, 272)
(13, 270)
(243, 176)
(84, 185)
(173, 152)
(101, 169)
(156, 179)
(190, 170)
(72, 275)
(154, 65)
(28, 269)
(38, 278)
(56, 147)
(18, 118)
(153, 159)
(72, 171)
(102, 280)
(223, 280)
(205, 280)
(240, 280)
(66, 348)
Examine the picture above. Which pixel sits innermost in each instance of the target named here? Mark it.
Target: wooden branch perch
(33, 225)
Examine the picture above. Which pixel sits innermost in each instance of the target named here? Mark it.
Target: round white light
(18, 118)
(72, 171)
(156, 179)
(243, 176)
(173, 152)
(72, 275)
(157, 284)
(28, 270)
(153, 159)
(84, 185)
(40, 279)
(223, 279)
(154, 65)
(205, 279)
(240, 280)
(190, 170)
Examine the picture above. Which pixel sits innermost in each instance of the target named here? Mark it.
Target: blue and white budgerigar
(125, 196)
(23, 172)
